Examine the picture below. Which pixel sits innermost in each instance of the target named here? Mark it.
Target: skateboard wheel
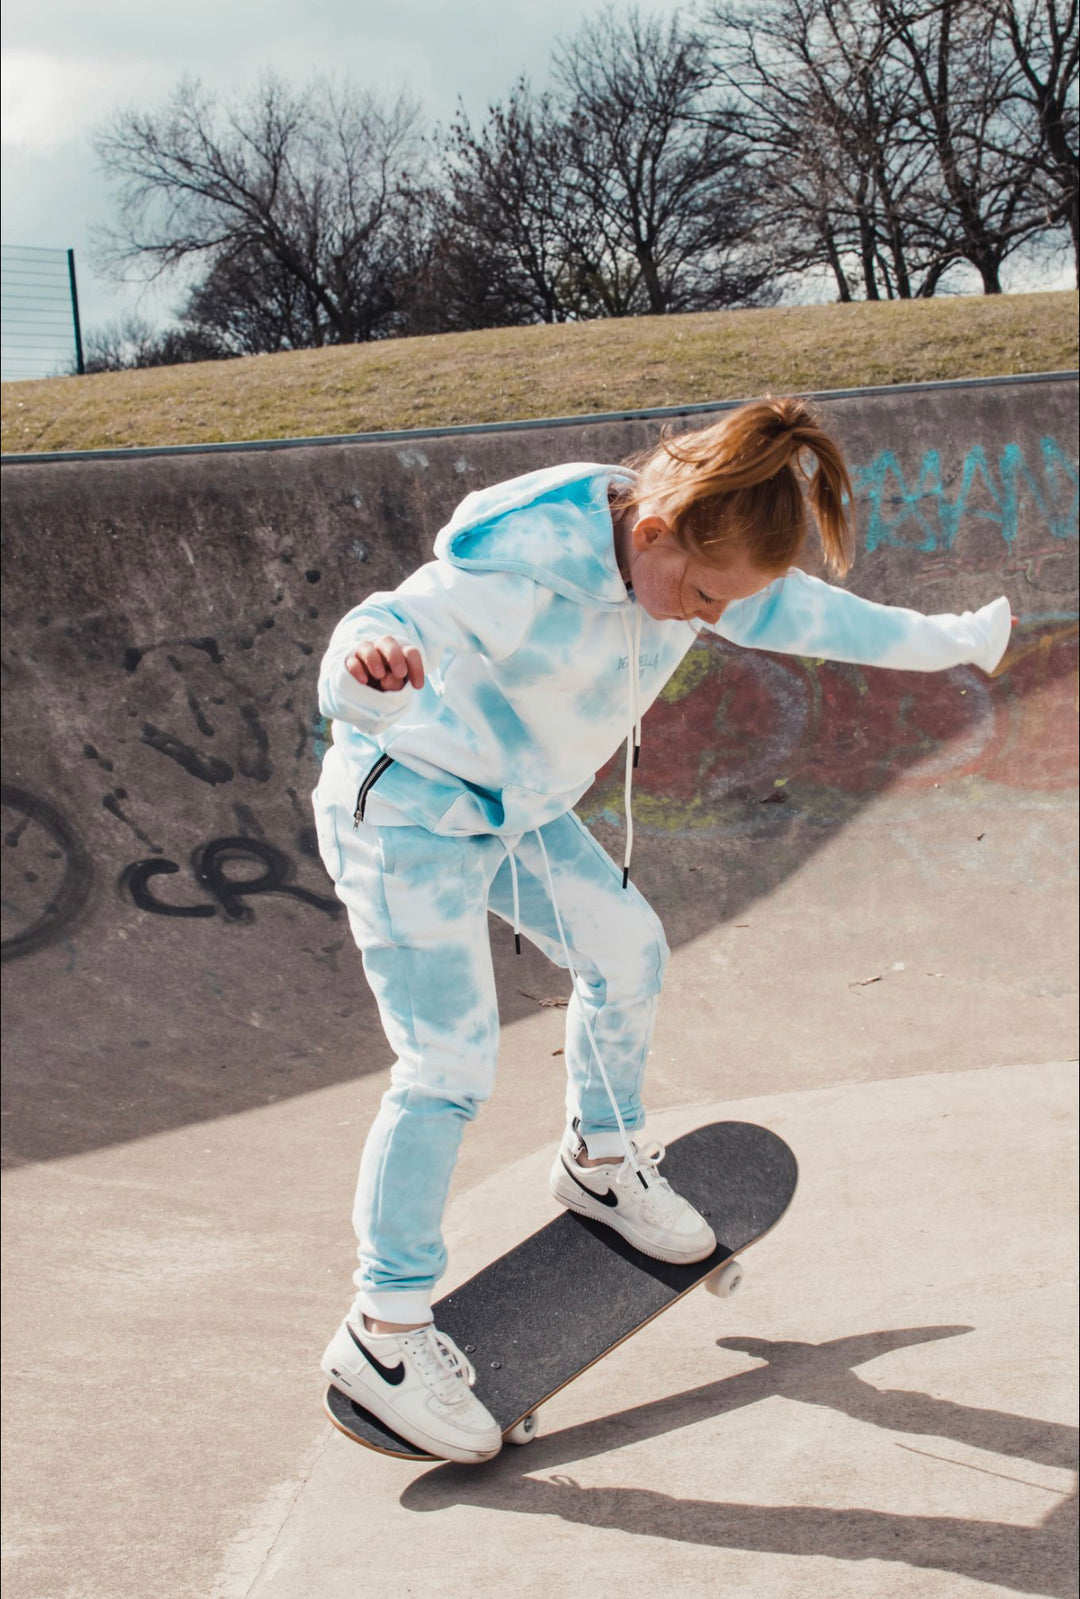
(724, 1282)
(525, 1431)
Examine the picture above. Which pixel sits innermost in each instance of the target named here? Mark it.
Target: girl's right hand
(386, 664)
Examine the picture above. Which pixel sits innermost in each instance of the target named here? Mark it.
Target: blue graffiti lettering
(925, 518)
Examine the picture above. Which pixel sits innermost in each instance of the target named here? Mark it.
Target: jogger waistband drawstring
(514, 891)
(623, 1134)
(633, 751)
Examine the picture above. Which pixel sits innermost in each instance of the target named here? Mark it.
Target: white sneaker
(655, 1219)
(417, 1383)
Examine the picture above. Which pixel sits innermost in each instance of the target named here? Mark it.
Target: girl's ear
(649, 530)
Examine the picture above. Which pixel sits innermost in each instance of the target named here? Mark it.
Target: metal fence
(40, 335)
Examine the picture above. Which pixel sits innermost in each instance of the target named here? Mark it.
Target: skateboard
(555, 1304)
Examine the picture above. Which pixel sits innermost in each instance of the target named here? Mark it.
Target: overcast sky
(68, 63)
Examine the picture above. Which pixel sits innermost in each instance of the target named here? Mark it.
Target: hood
(553, 526)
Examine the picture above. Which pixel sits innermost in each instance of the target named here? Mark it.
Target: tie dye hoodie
(538, 662)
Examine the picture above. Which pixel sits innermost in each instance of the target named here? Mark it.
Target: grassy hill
(510, 373)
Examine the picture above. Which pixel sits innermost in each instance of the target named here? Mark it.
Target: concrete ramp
(165, 613)
(869, 884)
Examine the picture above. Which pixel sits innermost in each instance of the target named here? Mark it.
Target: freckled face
(671, 585)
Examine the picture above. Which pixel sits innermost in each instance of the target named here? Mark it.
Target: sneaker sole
(441, 1450)
(603, 1215)
(419, 1446)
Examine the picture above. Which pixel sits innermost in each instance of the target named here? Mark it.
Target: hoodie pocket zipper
(366, 786)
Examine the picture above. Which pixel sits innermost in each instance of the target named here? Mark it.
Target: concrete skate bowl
(172, 947)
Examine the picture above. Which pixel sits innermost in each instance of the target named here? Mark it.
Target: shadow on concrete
(176, 954)
(1036, 1560)
(180, 992)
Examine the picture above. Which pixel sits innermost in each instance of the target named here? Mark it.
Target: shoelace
(660, 1198)
(440, 1363)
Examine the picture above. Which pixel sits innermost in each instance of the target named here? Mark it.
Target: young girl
(471, 710)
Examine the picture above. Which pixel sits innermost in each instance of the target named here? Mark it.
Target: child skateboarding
(471, 709)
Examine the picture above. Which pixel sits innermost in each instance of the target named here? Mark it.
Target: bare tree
(118, 345)
(613, 194)
(962, 85)
(314, 216)
(890, 135)
(255, 304)
(505, 240)
(132, 342)
(1043, 38)
(811, 85)
(664, 186)
(299, 193)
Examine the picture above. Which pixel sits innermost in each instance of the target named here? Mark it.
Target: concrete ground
(884, 1411)
(886, 1408)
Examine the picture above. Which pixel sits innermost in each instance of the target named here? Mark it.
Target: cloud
(68, 65)
(50, 99)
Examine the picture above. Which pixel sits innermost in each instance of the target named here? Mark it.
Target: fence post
(79, 366)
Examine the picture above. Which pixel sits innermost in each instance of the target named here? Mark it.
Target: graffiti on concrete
(919, 514)
(48, 881)
(737, 726)
(733, 729)
(198, 667)
(208, 770)
(189, 724)
(210, 867)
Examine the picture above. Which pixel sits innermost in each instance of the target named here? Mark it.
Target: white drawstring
(637, 682)
(633, 737)
(627, 1145)
(514, 891)
(633, 749)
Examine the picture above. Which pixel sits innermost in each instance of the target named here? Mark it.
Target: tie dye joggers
(417, 905)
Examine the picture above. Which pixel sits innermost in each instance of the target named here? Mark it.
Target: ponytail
(748, 480)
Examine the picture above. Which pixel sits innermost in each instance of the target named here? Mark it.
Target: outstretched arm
(801, 615)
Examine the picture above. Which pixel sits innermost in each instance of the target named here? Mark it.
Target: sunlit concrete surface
(869, 883)
(886, 1407)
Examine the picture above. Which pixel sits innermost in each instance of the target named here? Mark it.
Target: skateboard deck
(555, 1304)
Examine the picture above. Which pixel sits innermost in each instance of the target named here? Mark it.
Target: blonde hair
(746, 480)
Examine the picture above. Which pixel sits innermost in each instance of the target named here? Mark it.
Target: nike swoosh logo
(390, 1374)
(609, 1199)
